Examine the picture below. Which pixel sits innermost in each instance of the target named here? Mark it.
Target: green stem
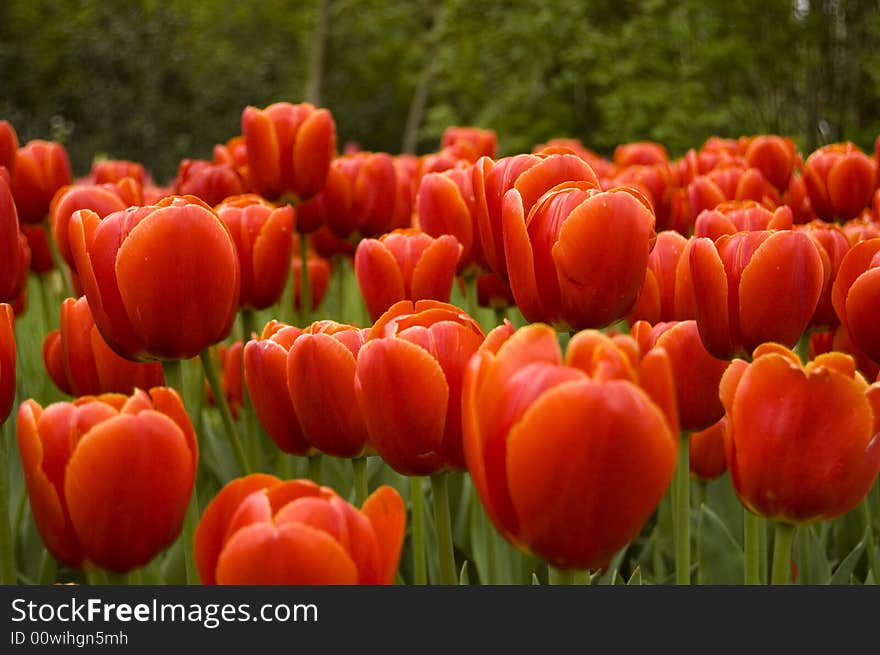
(682, 516)
(782, 553)
(47, 300)
(443, 521)
(500, 315)
(316, 468)
(283, 465)
(560, 576)
(8, 575)
(865, 511)
(190, 521)
(305, 288)
(48, 569)
(97, 577)
(359, 469)
(763, 550)
(60, 264)
(220, 398)
(136, 577)
(173, 371)
(248, 324)
(805, 574)
(420, 571)
(751, 546)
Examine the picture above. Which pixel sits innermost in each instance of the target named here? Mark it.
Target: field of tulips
(293, 366)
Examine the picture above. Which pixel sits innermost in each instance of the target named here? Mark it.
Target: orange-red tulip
(360, 195)
(741, 215)
(209, 181)
(8, 146)
(111, 171)
(706, 451)
(420, 432)
(328, 411)
(856, 294)
(230, 360)
(262, 235)
(493, 292)
(41, 168)
(470, 143)
(833, 244)
(697, 373)
(109, 477)
(260, 530)
(774, 156)
(801, 441)
(641, 153)
(265, 372)
(319, 275)
(289, 148)
(602, 167)
(840, 180)
(569, 458)
(532, 176)
(7, 360)
(38, 244)
(578, 257)
(405, 265)
(81, 363)
(752, 287)
(666, 293)
(15, 254)
(162, 280)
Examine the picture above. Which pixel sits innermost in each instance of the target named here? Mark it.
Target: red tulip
(470, 143)
(578, 257)
(706, 451)
(856, 293)
(752, 287)
(833, 244)
(801, 441)
(569, 458)
(420, 432)
(493, 292)
(81, 363)
(208, 181)
(8, 146)
(774, 156)
(737, 216)
(259, 530)
(405, 265)
(112, 171)
(230, 360)
(840, 180)
(109, 477)
(289, 148)
(265, 371)
(7, 360)
(262, 235)
(666, 293)
(360, 194)
(38, 245)
(532, 176)
(41, 168)
(642, 153)
(599, 164)
(328, 412)
(15, 254)
(132, 264)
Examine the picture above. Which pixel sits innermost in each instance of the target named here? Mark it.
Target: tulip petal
(387, 514)
(435, 271)
(379, 277)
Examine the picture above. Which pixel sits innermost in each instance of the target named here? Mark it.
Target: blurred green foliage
(157, 81)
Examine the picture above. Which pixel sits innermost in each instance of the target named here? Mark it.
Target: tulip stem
(220, 398)
(442, 519)
(8, 575)
(420, 571)
(248, 324)
(48, 568)
(97, 577)
(359, 469)
(174, 377)
(751, 546)
(682, 514)
(316, 468)
(782, 541)
(865, 511)
(190, 521)
(763, 550)
(61, 265)
(805, 573)
(560, 576)
(305, 293)
(47, 299)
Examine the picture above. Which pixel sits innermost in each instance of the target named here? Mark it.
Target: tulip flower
(706, 452)
(103, 199)
(532, 176)
(801, 441)
(108, 477)
(132, 265)
(833, 244)
(38, 245)
(446, 206)
(405, 265)
(360, 195)
(262, 235)
(81, 363)
(569, 457)
(578, 258)
(737, 216)
(328, 412)
(641, 153)
(774, 156)
(654, 183)
(470, 143)
(840, 181)
(493, 292)
(112, 171)
(230, 359)
(207, 180)
(752, 287)
(855, 295)
(260, 530)
(15, 254)
(420, 432)
(265, 372)
(7, 360)
(289, 148)
(41, 168)
(319, 270)
(666, 293)
(8, 146)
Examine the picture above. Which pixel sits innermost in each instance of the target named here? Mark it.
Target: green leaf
(820, 568)
(535, 580)
(611, 574)
(847, 566)
(721, 559)
(463, 574)
(635, 580)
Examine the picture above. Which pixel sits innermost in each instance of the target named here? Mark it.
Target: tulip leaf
(635, 580)
(610, 575)
(535, 580)
(848, 564)
(819, 568)
(463, 574)
(720, 556)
